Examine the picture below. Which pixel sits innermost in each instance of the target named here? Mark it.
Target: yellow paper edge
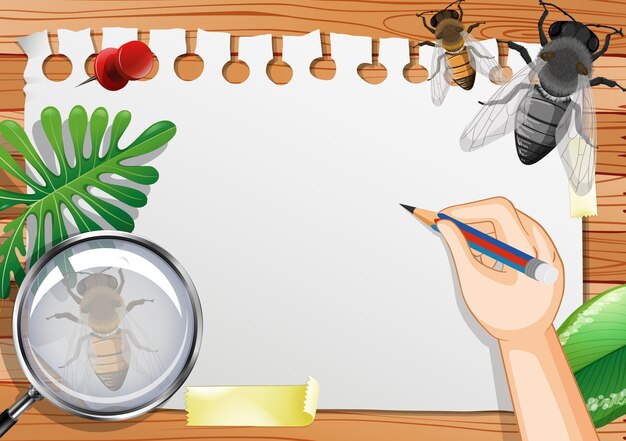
(583, 206)
(276, 406)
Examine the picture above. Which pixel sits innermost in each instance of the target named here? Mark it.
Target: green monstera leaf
(594, 341)
(53, 192)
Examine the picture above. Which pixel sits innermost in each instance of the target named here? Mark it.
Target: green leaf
(74, 181)
(594, 340)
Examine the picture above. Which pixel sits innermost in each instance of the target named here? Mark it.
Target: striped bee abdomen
(535, 134)
(463, 73)
(106, 356)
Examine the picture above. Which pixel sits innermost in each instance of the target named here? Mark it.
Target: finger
(488, 261)
(485, 227)
(501, 213)
(464, 261)
(544, 247)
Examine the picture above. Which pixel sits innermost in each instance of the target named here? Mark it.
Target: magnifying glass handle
(9, 417)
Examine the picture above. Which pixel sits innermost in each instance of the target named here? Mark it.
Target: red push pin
(114, 68)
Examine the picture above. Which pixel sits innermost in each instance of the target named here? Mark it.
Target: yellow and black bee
(104, 328)
(457, 56)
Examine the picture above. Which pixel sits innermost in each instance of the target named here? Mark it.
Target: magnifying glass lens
(106, 328)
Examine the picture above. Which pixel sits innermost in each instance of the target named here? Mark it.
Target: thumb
(464, 260)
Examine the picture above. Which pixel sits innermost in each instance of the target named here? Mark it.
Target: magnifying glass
(106, 325)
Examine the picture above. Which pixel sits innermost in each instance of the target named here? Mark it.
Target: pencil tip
(408, 208)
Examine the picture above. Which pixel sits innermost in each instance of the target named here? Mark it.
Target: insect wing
(576, 138)
(140, 352)
(76, 369)
(501, 114)
(441, 75)
(482, 61)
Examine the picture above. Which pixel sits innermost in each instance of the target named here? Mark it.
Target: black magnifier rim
(150, 246)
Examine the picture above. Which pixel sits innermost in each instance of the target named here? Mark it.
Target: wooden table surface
(604, 235)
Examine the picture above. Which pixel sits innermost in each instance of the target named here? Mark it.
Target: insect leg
(74, 296)
(543, 40)
(601, 80)
(475, 53)
(605, 46)
(431, 30)
(473, 26)
(134, 303)
(79, 346)
(425, 43)
(438, 67)
(578, 118)
(66, 315)
(134, 341)
(508, 96)
(122, 280)
(522, 51)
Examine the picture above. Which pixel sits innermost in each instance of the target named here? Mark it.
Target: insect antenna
(435, 11)
(425, 12)
(617, 31)
(556, 7)
(453, 3)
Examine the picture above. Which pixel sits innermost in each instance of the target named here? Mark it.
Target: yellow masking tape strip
(252, 405)
(582, 206)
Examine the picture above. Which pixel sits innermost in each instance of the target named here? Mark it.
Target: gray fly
(549, 103)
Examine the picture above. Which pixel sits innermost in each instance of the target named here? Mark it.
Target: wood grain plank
(611, 143)
(381, 18)
(328, 426)
(605, 236)
(17, 116)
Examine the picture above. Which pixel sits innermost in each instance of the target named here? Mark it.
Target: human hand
(507, 303)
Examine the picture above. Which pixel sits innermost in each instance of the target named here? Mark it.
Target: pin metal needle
(88, 80)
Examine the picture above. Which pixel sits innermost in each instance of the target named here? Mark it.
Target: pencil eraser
(546, 274)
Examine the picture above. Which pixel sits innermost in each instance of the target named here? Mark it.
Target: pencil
(492, 247)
